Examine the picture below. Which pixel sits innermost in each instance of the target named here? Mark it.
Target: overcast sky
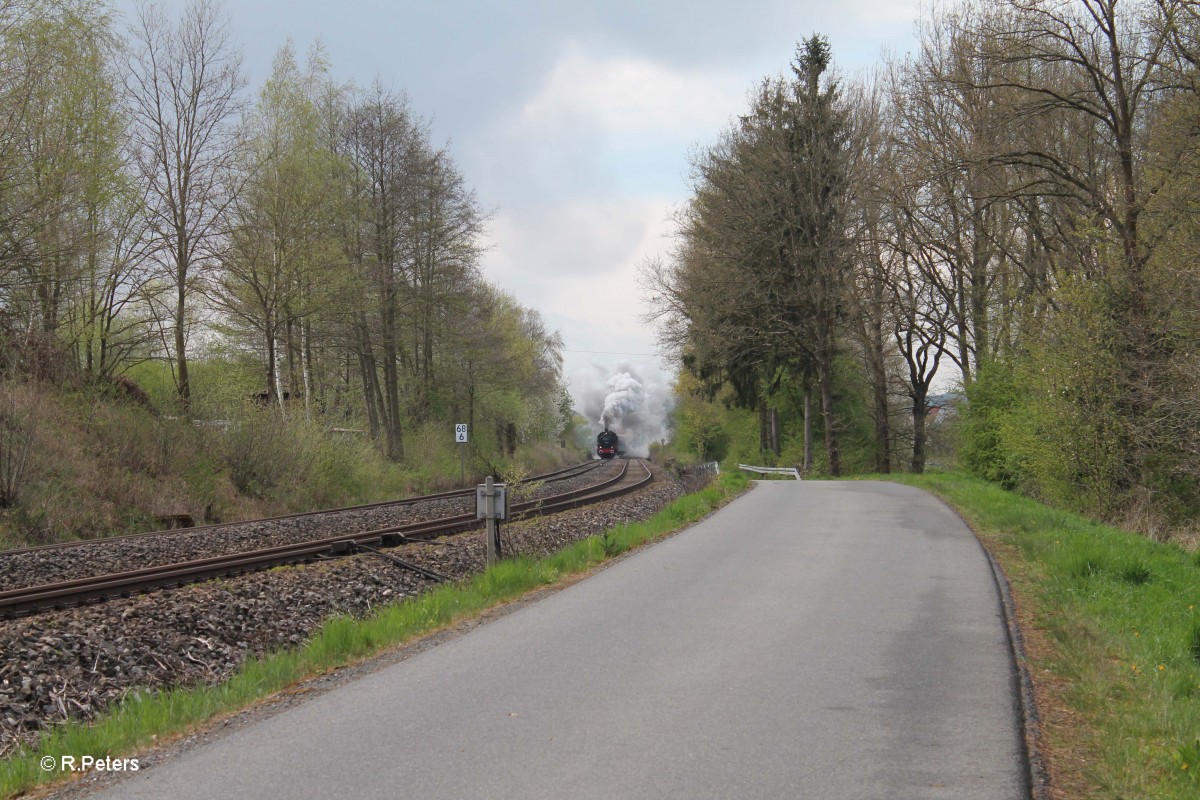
(573, 121)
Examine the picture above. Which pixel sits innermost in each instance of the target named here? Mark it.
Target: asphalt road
(811, 640)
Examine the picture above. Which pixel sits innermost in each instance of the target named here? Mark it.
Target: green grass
(1120, 613)
(144, 718)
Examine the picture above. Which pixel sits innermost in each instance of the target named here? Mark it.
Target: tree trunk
(883, 431)
(807, 428)
(980, 257)
(471, 406)
(883, 428)
(391, 397)
(278, 389)
(832, 454)
(272, 375)
(510, 439)
(826, 356)
(919, 411)
(184, 385)
(366, 367)
(289, 341)
(306, 355)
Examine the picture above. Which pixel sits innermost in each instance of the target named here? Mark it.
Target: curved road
(811, 640)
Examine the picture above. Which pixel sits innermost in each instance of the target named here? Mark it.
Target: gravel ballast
(106, 556)
(74, 663)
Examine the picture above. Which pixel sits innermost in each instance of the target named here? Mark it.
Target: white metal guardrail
(795, 473)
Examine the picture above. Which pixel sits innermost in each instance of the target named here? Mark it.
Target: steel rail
(15, 602)
(549, 477)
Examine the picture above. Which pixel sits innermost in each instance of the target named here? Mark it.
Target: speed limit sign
(460, 432)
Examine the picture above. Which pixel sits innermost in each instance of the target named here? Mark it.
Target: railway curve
(76, 661)
(92, 588)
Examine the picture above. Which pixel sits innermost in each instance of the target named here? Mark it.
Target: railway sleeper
(350, 547)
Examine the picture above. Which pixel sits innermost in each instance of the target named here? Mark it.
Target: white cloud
(880, 14)
(586, 236)
(586, 166)
(593, 164)
(625, 94)
(579, 258)
(578, 265)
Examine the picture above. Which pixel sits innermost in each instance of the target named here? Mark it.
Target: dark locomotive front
(606, 444)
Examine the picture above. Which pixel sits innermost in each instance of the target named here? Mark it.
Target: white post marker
(460, 436)
(491, 504)
(489, 495)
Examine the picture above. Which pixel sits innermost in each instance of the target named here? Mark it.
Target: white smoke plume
(633, 400)
(624, 397)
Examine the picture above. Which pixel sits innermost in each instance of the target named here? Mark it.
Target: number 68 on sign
(460, 432)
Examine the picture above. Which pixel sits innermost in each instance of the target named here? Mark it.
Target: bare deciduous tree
(185, 90)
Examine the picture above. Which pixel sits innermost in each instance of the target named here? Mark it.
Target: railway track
(549, 477)
(634, 475)
(64, 562)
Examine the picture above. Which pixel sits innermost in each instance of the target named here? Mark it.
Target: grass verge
(1113, 638)
(142, 719)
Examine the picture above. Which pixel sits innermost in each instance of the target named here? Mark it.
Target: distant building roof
(945, 400)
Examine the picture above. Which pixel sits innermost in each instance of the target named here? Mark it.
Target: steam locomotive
(606, 444)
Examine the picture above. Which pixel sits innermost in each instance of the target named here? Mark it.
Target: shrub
(338, 476)
(18, 422)
(993, 400)
(263, 450)
(130, 438)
